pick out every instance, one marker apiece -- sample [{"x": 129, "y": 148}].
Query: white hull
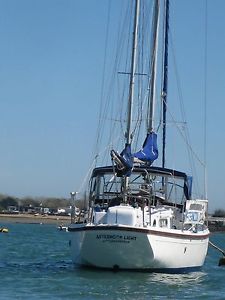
[{"x": 123, "y": 247}]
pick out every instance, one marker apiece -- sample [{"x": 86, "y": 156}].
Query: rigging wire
[
  {"x": 107, "y": 106},
  {"x": 185, "y": 134},
  {"x": 205, "y": 96},
  {"x": 95, "y": 153},
  {"x": 100, "y": 118},
  {"x": 105, "y": 100}
]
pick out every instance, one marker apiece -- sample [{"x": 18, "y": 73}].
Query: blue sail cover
[
  {"x": 149, "y": 151},
  {"x": 127, "y": 157},
  {"x": 124, "y": 160}
]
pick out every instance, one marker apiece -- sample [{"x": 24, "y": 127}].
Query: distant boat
[{"x": 142, "y": 217}]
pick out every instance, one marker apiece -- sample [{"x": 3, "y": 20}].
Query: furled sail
[{"x": 149, "y": 151}]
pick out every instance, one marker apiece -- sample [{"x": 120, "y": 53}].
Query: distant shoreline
[{"x": 32, "y": 219}]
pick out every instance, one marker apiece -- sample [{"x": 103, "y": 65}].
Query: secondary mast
[
  {"x": 128, "y": 134},
  {"x": 153, "y": 68},
  {"x": 132, "y": 73},
  {"x": 165, "y": 77}
]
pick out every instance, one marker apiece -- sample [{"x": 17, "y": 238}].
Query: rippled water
[{"x": 35, "y": 264}]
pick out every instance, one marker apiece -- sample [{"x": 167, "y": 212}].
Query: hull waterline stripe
[{"x": 183, "y": 270}]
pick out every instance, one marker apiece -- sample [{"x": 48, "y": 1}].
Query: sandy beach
[{"x": 32, "y": 219}]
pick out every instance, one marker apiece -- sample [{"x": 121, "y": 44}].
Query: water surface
[{"x": 35, "y": 263}]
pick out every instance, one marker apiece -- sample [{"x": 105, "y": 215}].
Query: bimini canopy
[{"x": 158, "y": 171}]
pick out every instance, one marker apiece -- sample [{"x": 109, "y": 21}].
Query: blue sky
[{"x": 51, "y": 65}]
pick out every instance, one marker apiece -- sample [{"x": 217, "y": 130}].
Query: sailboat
[{"x": 140, "y": 216}]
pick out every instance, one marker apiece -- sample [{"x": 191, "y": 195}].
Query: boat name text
[{"x": 116, "y": 238}]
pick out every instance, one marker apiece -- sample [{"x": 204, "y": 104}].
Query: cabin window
[{"x": 196, "y": 206}]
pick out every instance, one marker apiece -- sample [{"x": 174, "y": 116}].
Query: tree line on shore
[
  {"x": 220, "y": 213},
  {"x": 50, "y": 202},
  {"x": 54, "y": 203}
]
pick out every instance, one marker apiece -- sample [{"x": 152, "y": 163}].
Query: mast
[
  {"x": 128, "y": 135},
  {"x": 152, "y": 85},
  {"x": 132, "y": 73},
  {"x": 165, "y": 77}
]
